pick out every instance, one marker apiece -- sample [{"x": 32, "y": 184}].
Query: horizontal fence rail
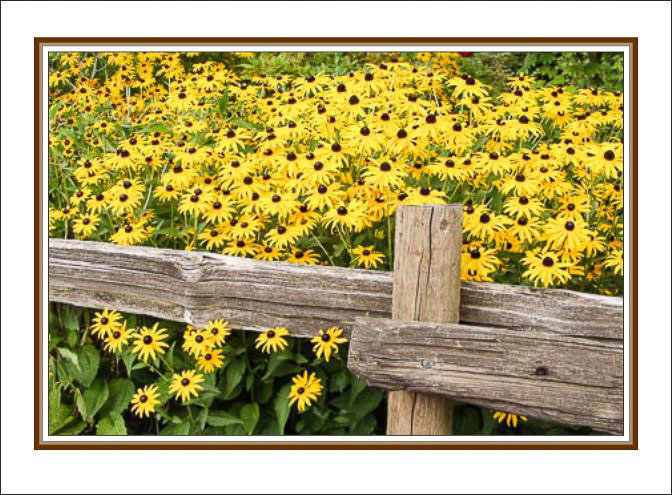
[
  {"x": 195, "y": 287},
  {"x": 548, "y": 376}
]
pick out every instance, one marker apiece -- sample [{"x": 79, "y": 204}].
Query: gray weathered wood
[
  {"x": 196, "y": 287},
  {"x": 543, "y": 375},
  {"x": 426, "y": 287}
]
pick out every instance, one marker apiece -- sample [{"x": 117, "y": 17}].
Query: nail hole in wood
[{"x": 541, "y": 371}]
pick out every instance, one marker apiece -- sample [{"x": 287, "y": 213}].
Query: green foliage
[
  {"x": 578, "y": 69},
  {"x": 493, "y": 68},
  {"x": 90, "y": 390}
]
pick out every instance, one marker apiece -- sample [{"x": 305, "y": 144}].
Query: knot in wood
[{"x": 426, "y": 363}]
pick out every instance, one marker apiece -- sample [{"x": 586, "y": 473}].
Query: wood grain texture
[
  {"x": 426, "y": 288},
  {"x": 543, "y": 375},
  {"x": 196, "y": 286}
]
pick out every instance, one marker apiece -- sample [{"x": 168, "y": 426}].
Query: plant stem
[{"x": 325, "y": 251}]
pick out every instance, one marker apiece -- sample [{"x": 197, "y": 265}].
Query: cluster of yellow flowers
[
  {"x": 205, "y": 346},
  {"x": 311, "y": 169}
]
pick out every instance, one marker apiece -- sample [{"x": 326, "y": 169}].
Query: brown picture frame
[{"x": 339, "y": 443}]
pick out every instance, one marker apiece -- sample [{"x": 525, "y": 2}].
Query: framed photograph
[{"x": 330, "y": 243}]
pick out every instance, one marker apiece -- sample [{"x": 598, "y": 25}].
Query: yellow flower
[
  {"x": 218, "y": 331},
  {"x": 148, "y": 342},
  {"x": 105, "y": 322},
  {"x": 117, "y": 339},
  {"x": 305, "y": 388},
  {"x": 186, "y": 384},
  {"x": 368, "y": 257},
  {"x": 145, "y": 400},
  {"x": 272, "y": 340},
  {"x": 210, "y": 360},
  {"x": 327, "y": 341}
]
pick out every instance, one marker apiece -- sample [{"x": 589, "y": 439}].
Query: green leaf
[
  {"x": 263, "y": 391},
  {"x": 338, "y": 382},
  {"x": 224, "y": 103},
  {"x": 250, "y": 416},
  {"x": 234, "y": 373},
  {"x": 71, "y": 338},
  {"x": 59, "y": 414},
  {"x": 222, "y": 418},
  {"x": 72, "y": 428},
  {"x": 176, "y": 429},
  {"x": 245, "y": 123},
  {"x": 70, "y": 320},
  {"x": 88, "y": 359},
  {"x": 112, "y": 424},
  {"x": 281, "y": 407},
  {"x": 367, "y": 402},
  {"x": 70, "y": 356},
  {"x": 202, "y": 418},
  {"x": 121, "y": 392},
  {"x": 128, "y": 358},
  {"x": 356, "y": 388},
  {"x": 276, "y": 359},
  {"x": 95, "y": 397}
]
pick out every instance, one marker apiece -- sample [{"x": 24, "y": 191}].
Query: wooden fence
[{"x": 547, "y": 353}]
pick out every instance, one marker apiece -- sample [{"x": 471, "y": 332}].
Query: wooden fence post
[{"x": 426, "y": 288}]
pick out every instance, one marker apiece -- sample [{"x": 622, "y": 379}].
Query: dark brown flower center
[{"x": 147, "y": 339}]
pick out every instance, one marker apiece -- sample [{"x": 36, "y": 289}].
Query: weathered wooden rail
[
  {"x": 195, "y": 287},
  {"x": 547, "y": 353}
]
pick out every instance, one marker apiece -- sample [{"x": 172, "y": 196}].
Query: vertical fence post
[{"x": 426, "y": 288}]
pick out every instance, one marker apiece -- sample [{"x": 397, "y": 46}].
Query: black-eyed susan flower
[
  {"x": 545, "y": 267},
  {"x": 86, "y": 224},
  {"x": 305, "y": 389},
  {"x": 367, "y": 256},
  {"x": 327, "y": 342},
  {"x": 210, "y": 360},
  {"x": 218, "y": 331},
  {"x": 145, "y": 400},
  {"x": 116, "y": 339},
  {"x": 272, "y": 339},
  {"x": 186, "y": 384},
  {"x": 148, "y": 342},
  {"x": 105, "y": 322},
  {"x": 197, "y": 341}
]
